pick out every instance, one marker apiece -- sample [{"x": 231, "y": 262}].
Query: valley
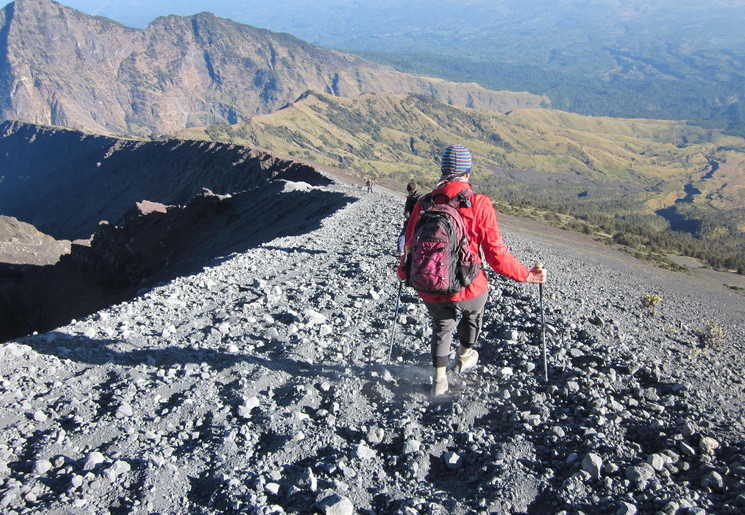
[{"x": 617, "y": 175}]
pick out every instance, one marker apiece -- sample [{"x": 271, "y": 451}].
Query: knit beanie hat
[{"x": 456, "y": 162}]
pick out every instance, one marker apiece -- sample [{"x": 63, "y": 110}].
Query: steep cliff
[{"x": 59, "y": 66}]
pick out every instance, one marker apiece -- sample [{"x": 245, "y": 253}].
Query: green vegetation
[
  {"x": 617, "y": 218},
  {"x": 712, "y": 336},
  {"x": 649, "y": 303},
  {"x": 653, "y": 187}
]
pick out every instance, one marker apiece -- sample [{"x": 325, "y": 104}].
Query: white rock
[
  {"x": 41, "y": 467},
  {"x": 248, "y": 406},
  {"x": 640, "y": 474},
  {"x": 314, "y": 317},
  {"x": 119, "y": 468},
  {"x": 504, "y": 372},
  {"x": 627, "y": 509},
  {"x": 411, "y": 446},
  {"x": 94, "y": 459},
  {"x": 453, "y": 460},
  {"x": 375, "y": 435},
  {"x": 713, "y": 480},
  {"x": 168, "y": 331},
  {"x": 77, "y": 481},
  {"x": 657, "y": 461},
  {"x": 16, "y": 350},
  {"x": 124, "y": 411},
  {"x": 708, "y": 445},
  {"x": 592, "y": 464},
  {"x": 157, "y": 461},
  {"x": 335, "y": 504},
  {"x": 364, "y": 452},
  {"x": 686, "y": 449}
]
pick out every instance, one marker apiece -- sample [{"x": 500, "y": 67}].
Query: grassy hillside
[{"x": 631, "y": 175}]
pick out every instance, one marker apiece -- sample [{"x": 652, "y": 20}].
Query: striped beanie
[{"x": 456, "y": 162}]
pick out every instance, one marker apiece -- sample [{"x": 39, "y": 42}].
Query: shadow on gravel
[
  {"x": 150, "y": 249},
  {"x": 289, "y": 250},
  {"x": 93, "y": 351}
]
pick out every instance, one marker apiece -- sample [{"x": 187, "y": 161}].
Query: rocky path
[{"x": 262, "y": 385}]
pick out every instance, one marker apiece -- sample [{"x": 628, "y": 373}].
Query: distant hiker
[
  {"x": 369, "y": 184},
  {"x": 411, "y": 198},
  {"x": 480, "y": 224}
]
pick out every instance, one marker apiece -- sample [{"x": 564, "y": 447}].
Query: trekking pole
[
  {"x": 539, "y": 266},
  {"x": 395, "y": 318}
]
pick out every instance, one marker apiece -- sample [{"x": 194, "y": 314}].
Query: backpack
[{"x": 440, "y": 260}]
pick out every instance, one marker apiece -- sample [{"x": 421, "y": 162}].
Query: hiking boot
[
  {"x": 467, "y": 359},
  {"x": 439, "y": 387},
  {"x": 439, "y": 382}
]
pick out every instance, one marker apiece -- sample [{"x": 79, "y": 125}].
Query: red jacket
[{"x": 481, "y": 225}]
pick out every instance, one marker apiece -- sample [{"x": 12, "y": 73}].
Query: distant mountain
[
  {"x": 671, "y": 59},
  {"x": 61, "y": 67}
]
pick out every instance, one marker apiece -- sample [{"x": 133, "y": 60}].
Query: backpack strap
[{"x": 462, "y": 199}]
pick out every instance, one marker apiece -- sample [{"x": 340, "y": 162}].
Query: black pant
[{"x": 444, "y": 315}]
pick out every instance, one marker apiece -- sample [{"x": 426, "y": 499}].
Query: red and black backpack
[{"x": 440, "y": 260}]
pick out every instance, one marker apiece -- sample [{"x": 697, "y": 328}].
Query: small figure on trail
[
  {"x": 479, "y": 220},
  {"x": 411, "y": 198},
  {"x": 369, "y": 183}
]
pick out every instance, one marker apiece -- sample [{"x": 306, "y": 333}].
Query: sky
[{"x": 138, "y": 13}]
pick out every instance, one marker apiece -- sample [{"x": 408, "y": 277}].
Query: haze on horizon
[{"x": 367, "y": 24}]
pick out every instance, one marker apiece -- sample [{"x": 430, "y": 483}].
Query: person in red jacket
[{"x": 480, "y": 220}]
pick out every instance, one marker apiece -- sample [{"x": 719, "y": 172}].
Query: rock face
[
  {"x": 261, "y": 384},
  {"x": 59, "y": 66}
]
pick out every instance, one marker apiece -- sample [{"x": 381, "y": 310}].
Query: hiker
[
  {"x": 369, "y": 184},
  {"x": 480, "y": 221},
  {"x": 411, "y": 198}
]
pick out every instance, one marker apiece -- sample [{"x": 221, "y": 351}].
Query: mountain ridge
[
  {"x": 65, "y": 182},
  {"x": 95, "y": 74}
]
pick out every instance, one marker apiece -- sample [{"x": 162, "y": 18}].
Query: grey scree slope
[{"x": 261, "y": 385}]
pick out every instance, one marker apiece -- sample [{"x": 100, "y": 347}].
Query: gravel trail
[{"x": 262, "y": 385}]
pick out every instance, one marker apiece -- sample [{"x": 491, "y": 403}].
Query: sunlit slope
[
  {"x": 403, "y": 136},
  {"x": 673, "y": 161}
]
